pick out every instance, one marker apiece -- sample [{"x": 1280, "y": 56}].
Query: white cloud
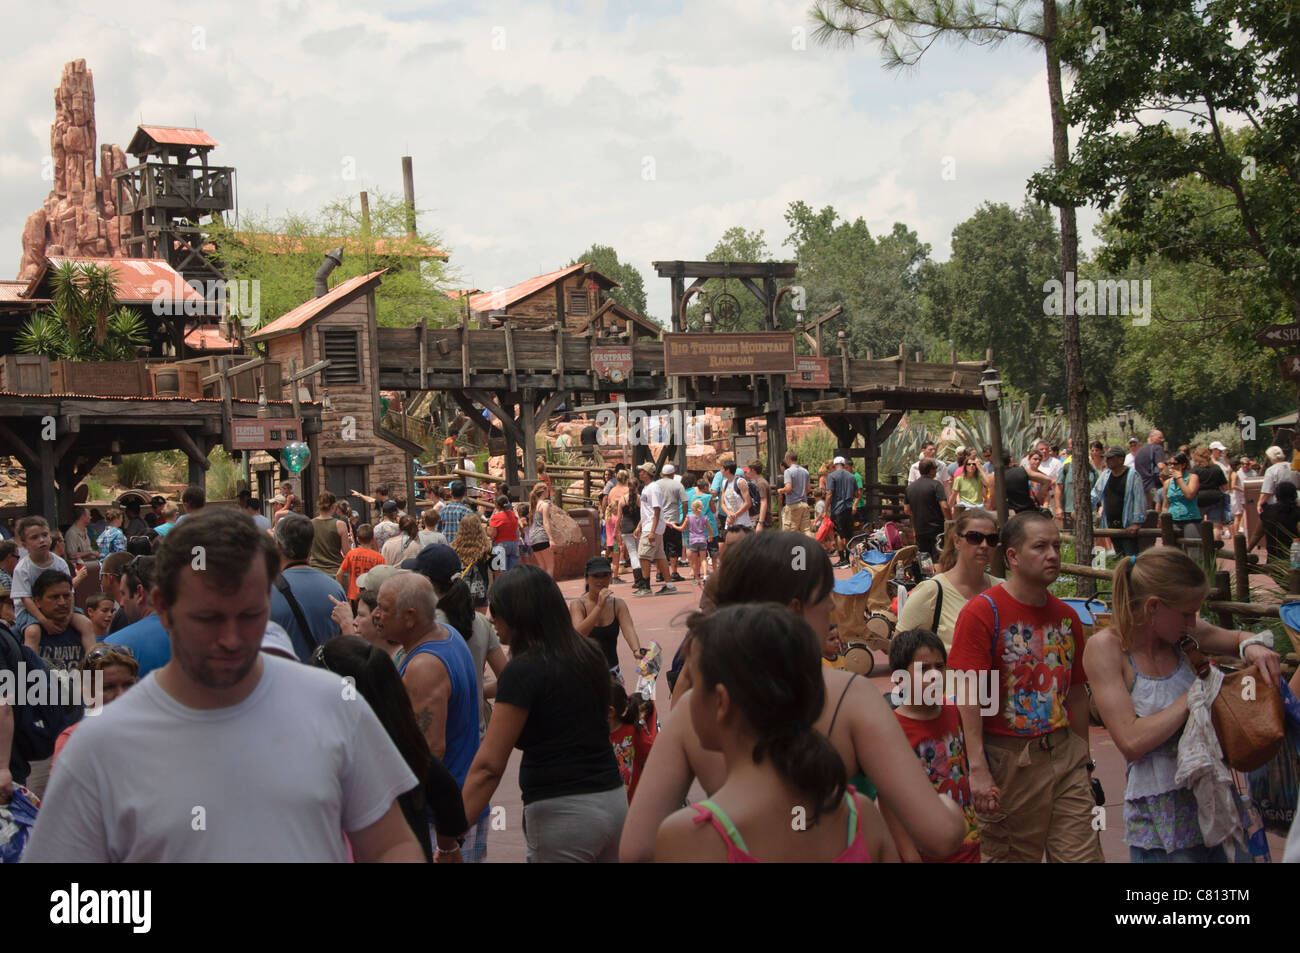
[{"x": 531, "y": 153}]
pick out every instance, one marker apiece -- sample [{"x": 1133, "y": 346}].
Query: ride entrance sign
[{"x": 759, "y": 352}]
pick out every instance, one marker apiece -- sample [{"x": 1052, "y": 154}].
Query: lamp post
[{"x": 992, "y": 386}]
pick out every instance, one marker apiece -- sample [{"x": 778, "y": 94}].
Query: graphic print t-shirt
[
  {"x": 941, "y": 746},
  {"x": 1036, "y": 651}
]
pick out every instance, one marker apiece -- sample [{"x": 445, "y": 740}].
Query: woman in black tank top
[{"x": 600, "y": 616}]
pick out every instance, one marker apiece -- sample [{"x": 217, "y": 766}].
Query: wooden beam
[
  {"x": 423, "y": 331},
  {"x": 512, "y": 427},
  {"x": 295, "y": 376},
  {"x": 26, "y": 454},
  {"x": 237, "y": 369},
  {"x": 725, "y": 269},
  {"x": 196, "y": 456},
  {"x": 510, "y": 357},
  {"x": 548, "y": 407},
  {"x": 763, "y": 299},
  {"x": 61, "y": 447}
]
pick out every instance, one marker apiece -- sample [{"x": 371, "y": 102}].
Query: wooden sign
[
  {"x": 812, "y": 372},
  {"x": 759, "y": 352},
  {"x": 263, "y": 433},
  {"x": 612, "y": 363},
  {"x": 1290, "y": 367},
  {"x": 1279, "y": 335}
]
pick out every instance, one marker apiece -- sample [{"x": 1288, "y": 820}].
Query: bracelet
[
  {"x": 1259, "y": 638},
  {"x": 439, "y": 852}
]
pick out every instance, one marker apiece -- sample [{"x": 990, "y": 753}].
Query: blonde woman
[
  {"x": 539, "y": 531},
  {"x": 1140, "y": 677},
  {"x": 613, "y": 514},
  {"x": 475, "y": 551},
  {"x": 961, "y": 575}
]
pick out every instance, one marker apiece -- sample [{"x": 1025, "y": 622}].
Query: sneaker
[
  {"x": 677, "y": 577},
  {"x": 666, "y": 590},
  {"x": 842, "y": 564},
  {"x": 617, "y": 580},
  {"x": 642, "y": 592}
]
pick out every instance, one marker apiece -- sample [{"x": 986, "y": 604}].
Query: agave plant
[
  {"x": 83, "y": 322},
  {"x": 1019, "y": 431},
  {"x": 900, "y": 450}
]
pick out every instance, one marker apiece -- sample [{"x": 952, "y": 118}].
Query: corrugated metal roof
[
  {"x": 171, "y": 136},
  {"x": 305, "y": 312},
  {"x": 191, "y": 400},
  {"x": 496, "y": 300},
  {"x": 139, "y": 280},
  {"x": 277, "y": 244},
  {"x": 208, "y": 337},
  {"x": 16, "y": 290}
]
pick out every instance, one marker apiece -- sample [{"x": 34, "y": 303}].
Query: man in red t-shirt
[{"x": 1029, "y": 759}]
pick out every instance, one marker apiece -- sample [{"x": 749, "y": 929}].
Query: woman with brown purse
[{"x": 1140, "y": 677}]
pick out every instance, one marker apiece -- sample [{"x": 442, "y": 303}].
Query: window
[
  {"x": 578, "y": 303},
  {"x": 342, "y": 348}
]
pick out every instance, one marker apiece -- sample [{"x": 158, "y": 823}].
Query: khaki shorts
[
  {"x": 795, "y": 518},
  {"x": 648, "y": 550},
  {"x": 1047, "y": 804}
]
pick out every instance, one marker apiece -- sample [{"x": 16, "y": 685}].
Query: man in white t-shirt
[
  {"x": 927, "y": 453},
  {"x": 1279, "y": 469},
  {"x": 650, "y": 531},
  {"x": 1219, "y": 454},
  {"x": 226, "y": 754},
  {"x": 1133, "y": 444}
]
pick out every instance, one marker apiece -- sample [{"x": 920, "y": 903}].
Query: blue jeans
[
  {"x": 1188, "y": 855},
  {"x": 511, "y": 551}
]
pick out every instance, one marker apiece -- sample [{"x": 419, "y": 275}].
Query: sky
[{"x": 540, "y": 128}]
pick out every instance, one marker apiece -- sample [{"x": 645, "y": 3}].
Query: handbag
[
  {"x": 1250, "y": 729},
  {"x": 1274, "y": 787}
]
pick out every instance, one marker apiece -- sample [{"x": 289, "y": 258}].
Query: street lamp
[
  {"x": 990, "y": 382},
  {"x": 708, "y": 320}
]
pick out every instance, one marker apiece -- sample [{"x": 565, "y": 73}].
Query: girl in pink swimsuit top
[
  {"x": 758, "y": 691},
  {"x": 738, "y": 853}
]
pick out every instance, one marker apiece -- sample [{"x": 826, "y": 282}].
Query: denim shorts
[{"x": 1188, "y": 855}]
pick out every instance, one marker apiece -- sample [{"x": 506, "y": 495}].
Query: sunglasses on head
[
  {"x": 104, "y": 650},
  {"x": 318, "y": 657},
  {"x": 975, "y": 538}
]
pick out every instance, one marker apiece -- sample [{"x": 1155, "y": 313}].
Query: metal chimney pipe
[
  {"x": 333, "y": 258},
  {"x": 408, "y": 184}
]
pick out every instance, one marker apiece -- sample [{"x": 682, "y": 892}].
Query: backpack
[
  {"x": 755, "y": 504},
  {"x": 476, "y": 579},
  {"x": 36, "y": 727}
]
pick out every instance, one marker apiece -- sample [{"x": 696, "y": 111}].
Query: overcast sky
[{"x": 540, "y": 128}]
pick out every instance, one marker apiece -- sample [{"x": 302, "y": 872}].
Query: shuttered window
[
  {"x": 578, "y": 303},
  {"x": 342, "y": 348}
]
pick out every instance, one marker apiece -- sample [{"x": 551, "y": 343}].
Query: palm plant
[{"x": 83, "y": 322}]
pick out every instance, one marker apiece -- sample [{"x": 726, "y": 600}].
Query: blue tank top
[
  {"x": 1181, "y": 508},
  {"x": 462, "y": 708}
]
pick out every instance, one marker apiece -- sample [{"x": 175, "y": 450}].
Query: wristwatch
[
  {"x": 1091, "y": 766},
  {"x": 1264, "y": 638}
]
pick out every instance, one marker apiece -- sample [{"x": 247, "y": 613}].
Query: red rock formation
[{"x": 79, "y": 217}]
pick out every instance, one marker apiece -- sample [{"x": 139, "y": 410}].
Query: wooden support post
[
  {"x": 1168, "y": 537},
  {"x": 1206, "y": 553},
  {"x": 64, "y": 468},
  {"x": 510, "y": 357},
  {"x": 528, "y": 423},
  {"x": 902, "y": 364},
  {"x": 558, "y": 371},
  {"x": 192, "y": 450},
  {"x": 198, "y": 463},
  {"x": 871, "y": 474},
  {"x": 422, "y": 332},
  {"x": 999, "y": 481},
  {"x": 227, "y": 412},
  {"x": 1241, "y": 568},
  {"x": 43, "y": 479},
  {"x": 464, "y": 351}
]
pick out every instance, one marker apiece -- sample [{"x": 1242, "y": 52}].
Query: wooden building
[
  {"x": 576, "y": 297},
  {"x": 354, "y": 451}
]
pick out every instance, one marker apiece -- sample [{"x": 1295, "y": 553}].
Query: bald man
[{"x": 438, "y": 671}]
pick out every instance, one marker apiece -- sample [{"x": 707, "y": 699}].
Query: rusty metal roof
[
  {"x": 277, "y": 244},
  {"x": 168, "y": 136},
  {"x": 16, "y": 291},
  {"x": 138, "y": 280},
  {"x": 152, "y": 399},
  {"x": 496, "y": 300},
  {"x": 302, "y": 315}
]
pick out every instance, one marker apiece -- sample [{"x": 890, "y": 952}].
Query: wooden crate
[
  {"x": 25, "y": 374},
  {"x": 100, "y": 378},
  {"x": 189, "y": 376}
]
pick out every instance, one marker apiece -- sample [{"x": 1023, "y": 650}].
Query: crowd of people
[{"x": 455, "y": 646}]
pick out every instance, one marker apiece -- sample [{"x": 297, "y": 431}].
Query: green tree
[
  {"x": 1219, "y": 201},
  {"x": 605, "y": 260},
  {"x": 283, "y": 254},
  {"x": 875, "y": 280},
  {"x": 905, "y": 29}
]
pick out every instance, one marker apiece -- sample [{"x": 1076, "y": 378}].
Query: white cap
[
  {"x": 1215, "y": 445},
  {"x": 839, "y": 460},
  {"x": 276, "y": 641},
  {"x": 669, "y": 469}
]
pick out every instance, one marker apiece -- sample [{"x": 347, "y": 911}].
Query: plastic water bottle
[{"x": 1295, "y": 554}]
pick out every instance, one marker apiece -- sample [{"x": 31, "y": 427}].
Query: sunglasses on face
[{"x": 975, "y": 538}]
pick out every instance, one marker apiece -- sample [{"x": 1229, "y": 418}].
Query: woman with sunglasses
[
  {"x": 968, "y": 486},
  {"x": 120, "y": 671},
  {"x": 962, "y": 574}
]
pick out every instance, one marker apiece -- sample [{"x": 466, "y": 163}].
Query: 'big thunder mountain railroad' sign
[{"x": 759, "y": 352}]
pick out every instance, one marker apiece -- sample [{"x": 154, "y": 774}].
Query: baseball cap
[
  {"x": 157, "y": 501},
  {"x": 1216, "y": 445},
  {"x": 838, "y": 460},
  {"x": 376, "y": 577},
  {"x": 276, "y": 641},
  {"x": 390, "y": 506},
  {"x": 648, "y": 468},
  {"x": 437, "y": 562},
  {"x": 1113, "y": 452},
  {"x": 278, "y": 498},
  {"x": 669, "y": 469},
  {"x": 597, "y": 565},
  {"x": 1134, "y": 440}
]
